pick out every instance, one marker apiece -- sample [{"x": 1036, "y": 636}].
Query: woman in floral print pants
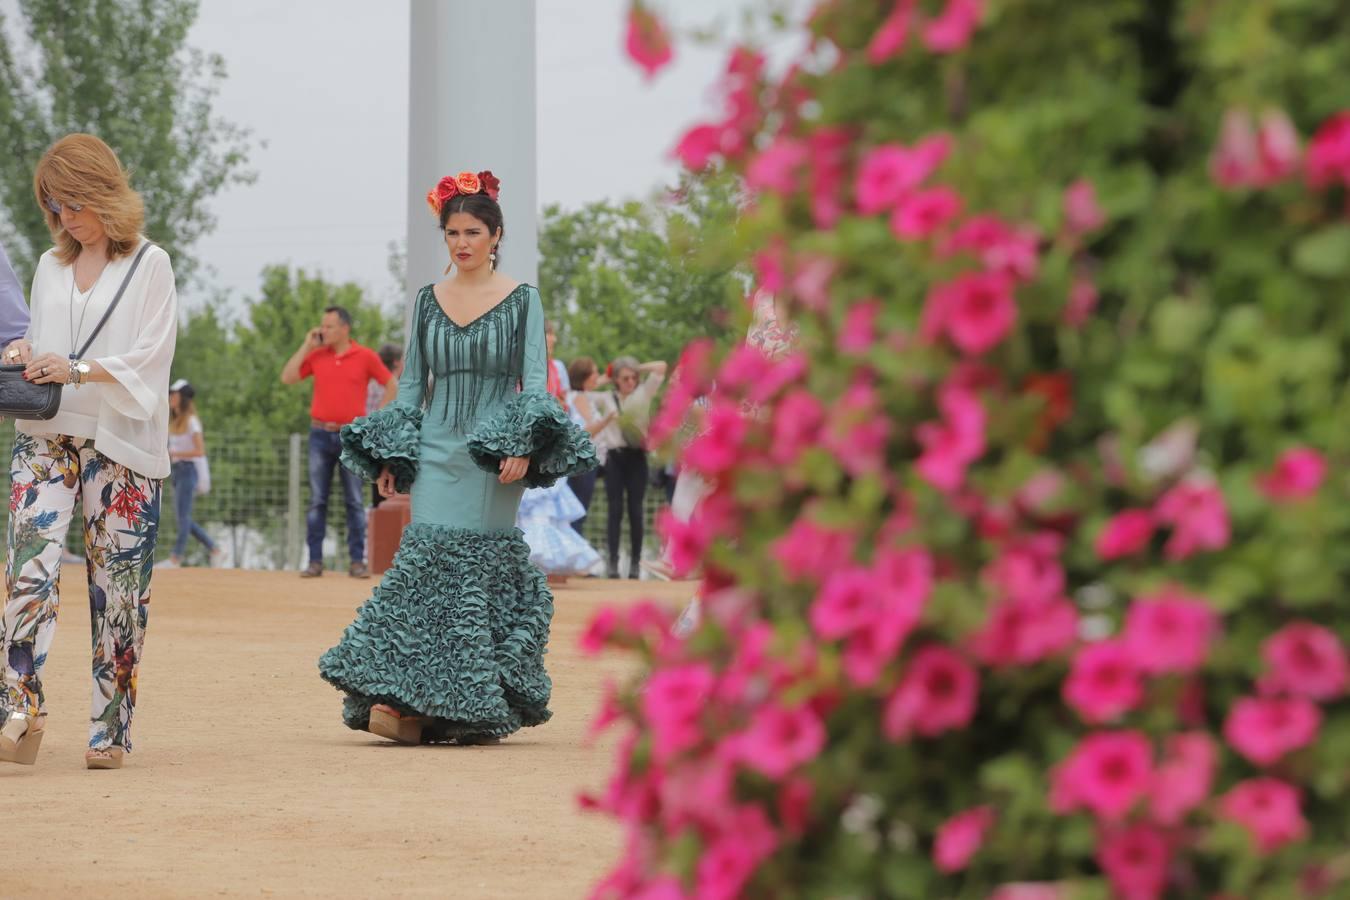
[{"x": 121, "y": 520}]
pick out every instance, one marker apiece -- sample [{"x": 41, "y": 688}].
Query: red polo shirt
[{"x": 340, "y": 381}]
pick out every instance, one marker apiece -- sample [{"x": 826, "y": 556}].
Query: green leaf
[{"x": 1324, "y": 253}]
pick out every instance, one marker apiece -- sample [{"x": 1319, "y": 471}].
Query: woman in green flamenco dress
[{"x": 450, "y": 645}]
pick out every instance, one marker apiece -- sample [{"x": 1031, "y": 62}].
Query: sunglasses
[{"x": 56, "y": 205}]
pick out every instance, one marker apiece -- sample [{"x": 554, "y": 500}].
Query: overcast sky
[{"x": 325, "y": 83}]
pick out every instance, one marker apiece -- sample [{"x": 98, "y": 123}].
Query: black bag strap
[{"x": 113, "y": 305}]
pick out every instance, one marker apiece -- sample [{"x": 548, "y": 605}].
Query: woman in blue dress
[{"x": 450, "y": 645}]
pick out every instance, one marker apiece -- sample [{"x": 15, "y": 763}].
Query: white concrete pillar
[{"x": 472, "y": 107}]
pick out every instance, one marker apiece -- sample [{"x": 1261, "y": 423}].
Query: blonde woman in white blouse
[{"x": 107, "y": 447}]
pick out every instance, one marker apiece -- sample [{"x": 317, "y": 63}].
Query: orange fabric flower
[
  {"x": 434, "y": 202},
  {"x": 445, "y": 189},
  {"x": 468, "y": 183}
]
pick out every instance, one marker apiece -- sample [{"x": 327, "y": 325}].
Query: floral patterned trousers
[{"x": 121, "y": 521}]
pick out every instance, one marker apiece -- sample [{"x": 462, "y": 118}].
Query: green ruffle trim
[
  {"x": 455, "y": 631},
  {"x": 533, "y": 424},
  {"x": 387, "y": 437}
]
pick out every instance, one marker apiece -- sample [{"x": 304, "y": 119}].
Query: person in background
[
  {"x": 342, "y": 369},
  {"x": 392, "y": 357},
  {"x": 187, "y": 451},
  {"x": 13, "y": 309},
  {"x": 581, "y": 409},
  {"x": 558, "y": 381},
  {"x": 624, "y": 440}
]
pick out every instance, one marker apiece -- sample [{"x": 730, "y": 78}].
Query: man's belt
[{"x": 326, "y": 426}]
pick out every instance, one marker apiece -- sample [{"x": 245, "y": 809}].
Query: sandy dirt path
[{"x": 244, "y": 781}]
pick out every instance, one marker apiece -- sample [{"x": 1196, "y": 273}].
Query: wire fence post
[{"x": 293, "y": 505}]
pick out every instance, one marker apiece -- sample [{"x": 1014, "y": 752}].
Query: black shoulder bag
[{"x": 21, "y": 399}]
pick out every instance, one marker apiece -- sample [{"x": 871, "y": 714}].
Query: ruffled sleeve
[
  {"x": 387, "y": 437},
  {"x": 533, "y": 424}
]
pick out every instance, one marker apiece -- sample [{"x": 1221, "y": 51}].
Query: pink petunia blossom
[
  {"x": 686, "y": 541},
  {"x": 1269, "y": 809},
  {"x": 951, "y": 445},
  {"x": 1236, "y": 159},
  {"x": 672, "y": 702},
  {"x": 830, "y": 150},
  {"x": 599, "y": 630},
  {"x": 1028, "y": 567},
  {"x": 1184, "y": 777},
  {"x": 796, "y": 424},
  {"x": 1306, "y": 660},
  {"x": 698, "y": 146},
  {"x": 1264, "y": 729},
  {"x": 1135, "y": 859},
  {"x": 975, "y": 310},
  {"x": 960, "y": 837},
  {"x": 1297, "y": 475},
  {"x": 647, "y": 41},
  {"x": 794, "y": 804},
  {"x": 890, "y": 172},
  {"x": 667, "y": 888},
  {"x": 1103, "y": 682},
  {"x": 1029, "y": 890},
  {"x": 698, "y": 792},
  {"x": 890, "y": 38},
  {"x": 922, "y": 213},
  {"x": 1108, "y": 773},
  {"x": 859, "y": 332},
  {"x": 770, "y": 270},
  {"x": 1170, "y": 631},
  {"x": 779, "y": 167},
  {"x": 937, "y": 693},
  {"x": 1328, "y": 158},
  {"x": 1082, "y": 212},
  {"x": 902, "y": 581},
  {"x": 721, "y": 443},
  {"x": 857, "y": 430},
  {"x": 1025, "y": 631},
  {"x": 1082, "y": 301},
  {"x": 1279, "y": 149},
  {"x": 812, "y": 551},
  {"x": 780, "y": 739},
  {"x": 1199, "y": 518},
  {"x": 951, "y": 31},
  {"x": 728, "y": 862},
  {"x": 1126, "y": 534},
  {"x": 1001, "y": 248},
  {"x": 844, "y": 603}
]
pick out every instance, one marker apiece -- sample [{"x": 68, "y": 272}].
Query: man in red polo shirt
[{"x": 342, "y": 369}]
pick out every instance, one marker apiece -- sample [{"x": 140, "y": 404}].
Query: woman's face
[
  {"x": 550, "y": 340},
  {"x": 589, "y": 383},
  {"x": 469, "y": 241},
  {"x": 175, "y": 401},
  {"x": 84, "y": 226},
  {"x": 626, "y": 380}
]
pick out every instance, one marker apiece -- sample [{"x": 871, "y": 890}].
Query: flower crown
[{"x": 463, "y": 183}]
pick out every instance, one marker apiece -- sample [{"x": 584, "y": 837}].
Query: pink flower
[
  {"x": 598, "y": 632},
  {"x": 1170, "y": 631},
  {"x": 1306, "y": 660},
  {"x": 937, "y": 693},
  {"x": 859, "y": 333},
  {"x": 1029, "y": 890},
  {"x": 1269, "y": 809},
  {"x": 1328, "y": 157},
  {"x": 1278, "y": 147},
  {"x": 667, "y": 888},
  {"x": 780, "y": 739},
  {"x": 1081, "y": 303},
  {"x": 999, "y": 246},
  {"x": 830, "y": 149},
  {"x": 730, "y": 860},
  {"x": 959, "y": 838},
  {"x": 891, "y": 171},
  {"x": 949, "y": 446},
  {"x": 922, "y": 213},
  {"x": 779, "y": 167},
  {"x": 890, "y": 37},
  {"x": 721, "y": 445},
  {"x": 1297, "y": 475},
  {"x": 844, "y": 604},
  {"x": 1135, "y": 859},
  {"x": 1126, "y": 534},
  {"x": 686, "y": 542},
  {"x": 1108, "y": 772},
  {"x": 672, "y": 702},
  {"x": 976, "y": 311},
  {"x": 951, "y": 31},
  {"x": 647, "y": 43},
  {"x": 794, "y": 805},
  {"x": 902, "y": 581},
  {"x": 1022, "y": 631},
  {"x": 700, "y": 144},
  {"x": 809, "y": 550},
  {"x": 1082, "y": 212},
  {"x": 1184, "y": 778},
  {"x": 1264, "y": 729},
  {"x": 1103, "y": 682},
  {"x": 1198, "y": 516},
  {"x": 1236, "y": 160},
  {"x": 796, "y": 425},
  {"x": 1029, "y": 568}
]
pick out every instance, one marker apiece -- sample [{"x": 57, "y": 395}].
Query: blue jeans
[
  {"x": 184, "y": 475},
  {"x": 324, "y": 449}
]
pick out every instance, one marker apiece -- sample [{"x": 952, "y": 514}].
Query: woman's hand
[
  {"x": 513, "y": 468},
  {"x": 385, "y": 483},
  {"x": 18, "y": 353},
  {"x": 48, "y": 368}
]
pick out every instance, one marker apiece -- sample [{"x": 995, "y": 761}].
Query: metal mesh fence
[{"x": 255, "y": 510}]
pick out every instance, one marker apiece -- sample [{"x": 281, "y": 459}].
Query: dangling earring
[{"x": 493, "y": 257}]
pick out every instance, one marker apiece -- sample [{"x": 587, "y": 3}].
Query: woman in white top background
[
  {"x": 187, "y": 454},
  {"x": 584, "y": 377},
  {"x": 107, "y": 447},
  {"x": 624, "y": 441}
]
